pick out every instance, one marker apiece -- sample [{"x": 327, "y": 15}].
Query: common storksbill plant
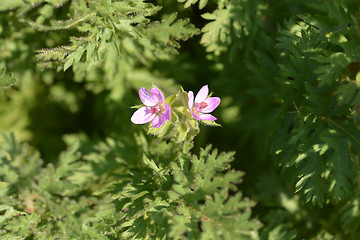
[
  {"x": 288, "y": 73},
  {"x": 158, "y": 111}
]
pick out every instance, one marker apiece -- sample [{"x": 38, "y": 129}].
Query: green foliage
[
  {"x": 41, "y": 202},
  {"x": 6, "y": 80},
  {"x": 183, "y": 198},
  {"x": 314, "y": 135},
  {"x": 115, "y": 26},
  {"x": 229, "y": 24},
  {"x": 203, "y": 199},
  {"x": 150, "y": 199},
  {"x": 188, "y": 3}
]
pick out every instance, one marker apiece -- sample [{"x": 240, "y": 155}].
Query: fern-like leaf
[
  {"x": 6, "y": 80},
  {"x": 197, "y": 180}
]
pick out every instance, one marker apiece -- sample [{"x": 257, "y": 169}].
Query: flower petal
[
  {"x": 158, "y": 121},
  {"x": 142, "y": 115},
  {"x": 202, "y": 94},
  {"x": 155, "y": 92},
  {"x": 146, "y": 98},
  {"x": 194, "y": 115},
  {"x": 191, "y": 99},
  {"x": 212, "y": 103},
  {"x": 167, "y": 112},
  {"x": 207, "y": 117}
]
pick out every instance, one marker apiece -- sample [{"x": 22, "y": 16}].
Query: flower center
[
  {"x": 198, "y": 107},
  {"x": 203, "y": 105},
  {"x": 157, "y": 109}
]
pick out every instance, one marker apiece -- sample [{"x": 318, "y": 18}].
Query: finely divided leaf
[{"x": 6, "y": 80}]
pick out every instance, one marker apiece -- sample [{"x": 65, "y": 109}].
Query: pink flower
[
  {"x": 155, "y": 109},
  {"x": 203, "y": 104}
]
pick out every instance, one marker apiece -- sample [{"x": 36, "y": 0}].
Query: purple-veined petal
[
  {"x": 167, "y": 112},
  {"x": 146, "y": 98},
  {"x": 142, "y": 115},
  {"x": 191, "y": 99},
  {"x": 212, "y": 103},
  {"x": 207, "y": 117},
  {"x": 157, "y": 94},
  {"x": 194, "y": 115},
  {"x": 158, "y": 121},
  {"x": 202, "y": 94}
]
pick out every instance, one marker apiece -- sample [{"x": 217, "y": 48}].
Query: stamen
[
  {"x": 156, "y": 109},
  {"x": 203, "y": 105},
  {"x": 153, "y": 110}
]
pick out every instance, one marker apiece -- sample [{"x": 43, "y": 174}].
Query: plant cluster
[{"x": 286, "y": 82}]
